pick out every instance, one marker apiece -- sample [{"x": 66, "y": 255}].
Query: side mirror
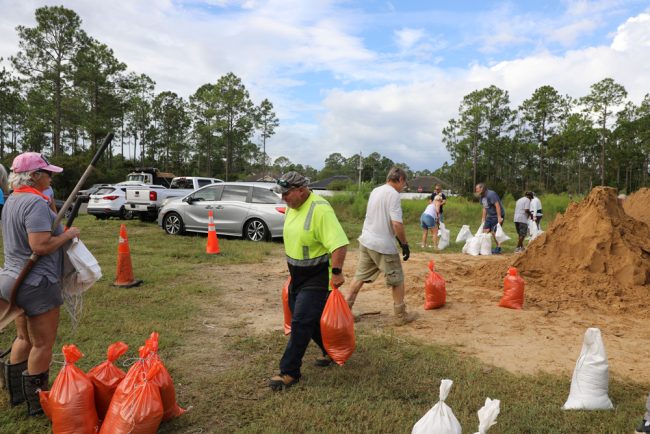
[{"x": 189, "y": 199}]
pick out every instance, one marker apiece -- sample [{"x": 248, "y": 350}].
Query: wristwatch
[{"x": 336, "y": 270}]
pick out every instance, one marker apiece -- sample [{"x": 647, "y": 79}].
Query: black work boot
[
  {"x": 31, "y": 385},
  {"x": 12, "y": 375}
]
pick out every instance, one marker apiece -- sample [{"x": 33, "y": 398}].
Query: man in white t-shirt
[
  {"x": 377, "y": 250},
  {"x": 522, "y": 215},
  {"x": 536, "y": 210}
]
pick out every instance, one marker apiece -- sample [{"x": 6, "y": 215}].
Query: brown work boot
[
  {"x": 282, "y": 381},
  {"x": 403, "y": 317}
]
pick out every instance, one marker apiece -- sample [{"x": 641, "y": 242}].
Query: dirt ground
[{"x": 545, "y": 336}]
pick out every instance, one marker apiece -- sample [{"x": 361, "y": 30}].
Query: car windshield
[{"x": 104, "y": 190}]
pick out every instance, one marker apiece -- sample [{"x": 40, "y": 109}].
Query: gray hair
[
  {"x": 3, "y": 179},
  {"x": 21, "y": 179},
  {"x": 395, "y": 174}
]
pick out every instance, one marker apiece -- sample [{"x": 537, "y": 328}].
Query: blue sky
[{"x": 369, "y": 76}]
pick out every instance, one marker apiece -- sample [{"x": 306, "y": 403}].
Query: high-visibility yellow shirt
[{"x": 311, "y": 233}]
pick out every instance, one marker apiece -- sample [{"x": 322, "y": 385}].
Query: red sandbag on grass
[
  {"x": 435, "y": 291},
  {"x": 128, "y": 383},
  {"x": 106, "y": 377},
  {"x": 164, "y": 381},
  {"x": 513, "y": 290},
  {"x": 71, "y": 401},
  {"x": 285, "y": 306},
  {"x": 141, "y": 410},
  {"x": 337, "y": 328}
]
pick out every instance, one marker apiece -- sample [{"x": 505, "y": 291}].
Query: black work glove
[{"x": 406, "y": 252}]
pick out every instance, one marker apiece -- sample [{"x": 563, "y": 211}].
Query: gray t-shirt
[
  {"x": 23, "y": 214},
  {"x": 489, "y": 200},
  {"x": 521, "y": 206}
]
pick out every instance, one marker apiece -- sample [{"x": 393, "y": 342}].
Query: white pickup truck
[{"x": 145, "y": 202}]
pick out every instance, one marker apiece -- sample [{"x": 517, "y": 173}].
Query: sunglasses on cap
[{"x": 285, "y": 184}]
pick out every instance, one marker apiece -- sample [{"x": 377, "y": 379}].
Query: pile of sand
[
  {"x": 638, "y": 204},
  {"x": 593, "y": 256}
]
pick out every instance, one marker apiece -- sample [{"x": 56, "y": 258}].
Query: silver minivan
[{"x": 243, "y": 209}]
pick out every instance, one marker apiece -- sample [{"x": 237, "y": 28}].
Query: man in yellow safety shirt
[{"x": 313, "y": 240}]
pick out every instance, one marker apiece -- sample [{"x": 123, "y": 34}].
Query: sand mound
[
  {"x": 595, "y": 255},
  {"x": 638, "y": 204}
]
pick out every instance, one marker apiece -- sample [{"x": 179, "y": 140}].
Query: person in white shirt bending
[{"x": 430, "y": 220}]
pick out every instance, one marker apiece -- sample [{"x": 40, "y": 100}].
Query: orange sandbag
[
  {"x": 141, "y": 411},
  {"x": 435, "y": 292},
  {"x": 285, "y": 306},
  {"x": 513, "y": 290},
  {"x": 164, "y": 381},
  {"x": 71, "y": 401},
  {"x": 337, "y": 328},
  {"x": 128, "y": 383},
  {"x": 106, "y": 377}
]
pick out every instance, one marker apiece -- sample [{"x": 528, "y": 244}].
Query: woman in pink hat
[{"x": 27, "y": 227}]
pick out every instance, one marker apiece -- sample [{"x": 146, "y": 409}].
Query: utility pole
[{"x": 360, "y": 167}]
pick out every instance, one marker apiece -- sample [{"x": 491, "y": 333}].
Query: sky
[{"x": 366, "y": 76}]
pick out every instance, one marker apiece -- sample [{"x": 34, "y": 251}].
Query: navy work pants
[{"x": 306, "y": 309}]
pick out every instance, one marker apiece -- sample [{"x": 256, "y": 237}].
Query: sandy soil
[{"x": 544, "y": 336}]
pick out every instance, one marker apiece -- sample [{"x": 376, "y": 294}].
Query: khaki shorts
[{"x": 371, "y": 263}]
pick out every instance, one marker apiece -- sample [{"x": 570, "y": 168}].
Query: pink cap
[{"x": 28, "y": 161}]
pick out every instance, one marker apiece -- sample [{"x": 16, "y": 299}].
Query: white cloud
[{"x": 406, "y": 38}]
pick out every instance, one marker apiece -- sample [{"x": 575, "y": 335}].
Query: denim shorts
[
  {"x": 34, "y": 300},
  {"x": 427, "y": 221},
  {"x": 491, "y": 223}
]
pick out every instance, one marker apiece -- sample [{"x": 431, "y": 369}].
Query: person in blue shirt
[
  {"x": 4, "y": 187},
  {"x": 493, "y": 212}
]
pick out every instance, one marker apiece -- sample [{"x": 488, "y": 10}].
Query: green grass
[{"x": 388, "y": 384}]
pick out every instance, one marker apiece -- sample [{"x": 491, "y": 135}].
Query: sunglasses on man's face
[{"x": 47, "y": 172}]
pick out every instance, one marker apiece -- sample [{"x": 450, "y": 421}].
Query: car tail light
[
  {"x": 113, "y": 197},
  {"x": 153, "y": 195},
  {"x": 280, "y": 209}
]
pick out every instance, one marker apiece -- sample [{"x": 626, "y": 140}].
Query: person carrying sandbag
[
  {"x": 493, "y": 212},
  {"x": 313, "y": 240}
]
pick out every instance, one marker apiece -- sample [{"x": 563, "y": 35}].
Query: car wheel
[
  {"x": 255, "y": 230},
  {"x": 173, "y": 224},
  {"x": 125, "y": 214}
]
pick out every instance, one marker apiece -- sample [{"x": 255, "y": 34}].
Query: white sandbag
[
  {"x": 487, "y": 415},
  {"x": 590, "y": 382},
  {"x": 486, "y": 244},
  {"x": 500, "y": 235},
  {"x": 445, "y": 235},
  {"x": 473, "y": 246},
  {"x": 464, "y": 234},
  {"x": 81, "y": 269},
  {"x": 440, "y": 419}
]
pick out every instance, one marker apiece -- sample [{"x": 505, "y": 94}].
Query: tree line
[
  {"x": 551, "y": 142},
  {"x": 66, "y": 90}
]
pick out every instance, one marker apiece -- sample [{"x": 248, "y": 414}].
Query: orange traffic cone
[
  {"x": 124, "y": 276},
  {"x": 212, "y": 248}
]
